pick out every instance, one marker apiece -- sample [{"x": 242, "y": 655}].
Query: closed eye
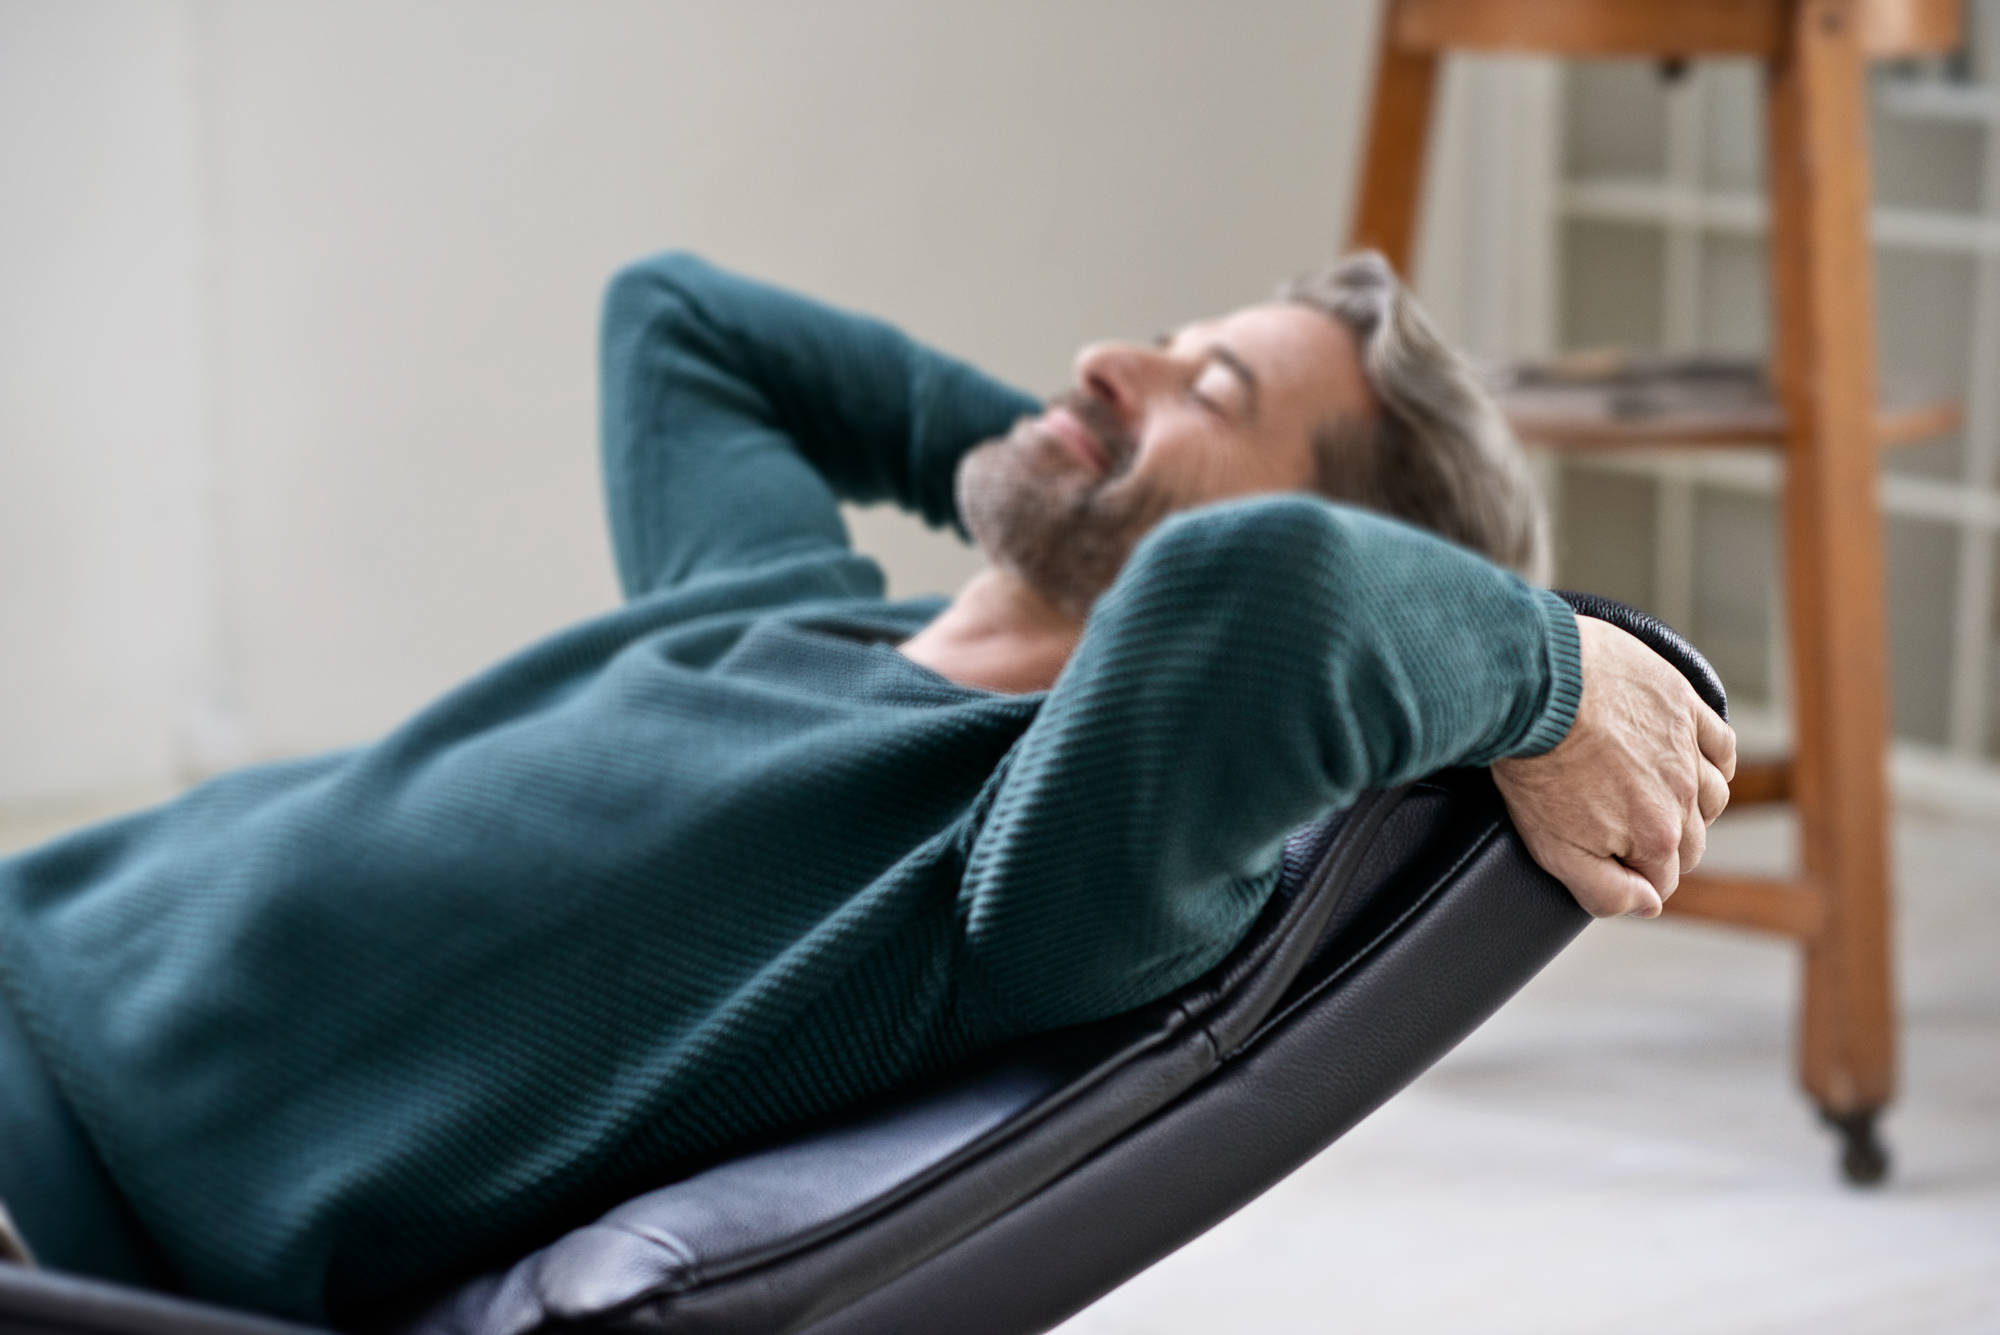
[
  {"x": 1235, "y": 398},
  {"x": 1244, "y": 379},
  {"x": 1219, "y": 389}
]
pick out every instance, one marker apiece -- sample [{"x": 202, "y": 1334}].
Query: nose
[{"x": 1121, "y": 375}]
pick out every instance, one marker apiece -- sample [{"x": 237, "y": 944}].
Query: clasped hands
[{"x": 1620, "y": 808}]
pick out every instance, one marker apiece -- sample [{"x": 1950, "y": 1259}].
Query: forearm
[
  {"x": 879, "y": 416},
  {"x": 1258, "y": 664}
]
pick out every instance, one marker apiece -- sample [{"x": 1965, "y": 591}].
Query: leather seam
[{"x": 1375, "y": 943}]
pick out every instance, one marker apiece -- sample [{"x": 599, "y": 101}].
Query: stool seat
[{"x": 1658, "y": 28}]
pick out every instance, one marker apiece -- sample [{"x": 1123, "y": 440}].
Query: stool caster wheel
[{"x": 1864, "y": 1161}]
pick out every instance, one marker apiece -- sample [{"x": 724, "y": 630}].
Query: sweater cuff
[{"x": 1565, "y": 664}]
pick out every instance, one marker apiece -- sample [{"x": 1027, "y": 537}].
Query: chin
[{"x": 1040, "y": 516}]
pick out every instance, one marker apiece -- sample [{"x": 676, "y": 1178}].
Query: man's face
[{"x": 1220, "y": 408}]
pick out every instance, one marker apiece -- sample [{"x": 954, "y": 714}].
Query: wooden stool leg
[
  {"x": 1392, "y": 173},
  {"x": 1816, "y": 103}
]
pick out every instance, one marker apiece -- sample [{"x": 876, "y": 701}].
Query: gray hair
[{"x": 1437, "y": 452}]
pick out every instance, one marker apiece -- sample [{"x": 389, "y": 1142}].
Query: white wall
[
  {"x": 100, "y": 394},
  {"x": 344, "y": 258}
]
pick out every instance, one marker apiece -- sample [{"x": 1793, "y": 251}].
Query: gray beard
[{"x": 1037, "y": 514}]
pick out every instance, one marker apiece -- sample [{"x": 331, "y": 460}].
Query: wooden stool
[{"x": 1815, "y": 55}]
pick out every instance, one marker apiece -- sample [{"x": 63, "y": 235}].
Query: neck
[{"x": 998, "y": 634}]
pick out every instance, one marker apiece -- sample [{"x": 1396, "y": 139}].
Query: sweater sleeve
[
  {"x": 1258, "y": 663},
  {"x": 736, "y": 416}
]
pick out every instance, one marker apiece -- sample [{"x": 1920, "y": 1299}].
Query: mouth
[{"x": 1079, "y": 439}]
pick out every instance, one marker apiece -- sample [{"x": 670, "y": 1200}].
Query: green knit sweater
[{"x": 722, "y": 860}]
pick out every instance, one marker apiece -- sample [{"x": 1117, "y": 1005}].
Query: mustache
[{"x": 1102, "y": 421}]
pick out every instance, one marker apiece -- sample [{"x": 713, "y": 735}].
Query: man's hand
[{"x": 1621, "y": 807}]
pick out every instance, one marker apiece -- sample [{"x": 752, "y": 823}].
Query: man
[{"x": 320, "y": 1035}]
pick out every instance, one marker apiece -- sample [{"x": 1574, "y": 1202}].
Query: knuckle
[
  {"x": 1656, "y": 835},
  {"x": 1718, "y": 801}
]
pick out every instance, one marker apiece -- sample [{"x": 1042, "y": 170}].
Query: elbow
[{"x": 640, "y": 290}]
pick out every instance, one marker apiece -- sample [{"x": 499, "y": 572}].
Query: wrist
[{"x": 1563, "y": 686}]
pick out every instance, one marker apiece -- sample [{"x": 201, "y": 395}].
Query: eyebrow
[{"x": 1221, "y": 352}]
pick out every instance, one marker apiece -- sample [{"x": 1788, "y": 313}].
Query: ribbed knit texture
[{"x": 722, "y": 860}]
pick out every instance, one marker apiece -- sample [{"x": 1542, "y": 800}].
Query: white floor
[{"x": 1623, "y": 1149}]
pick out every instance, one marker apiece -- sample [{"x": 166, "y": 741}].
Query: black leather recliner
[{"x": 1005, "y": 1200}]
